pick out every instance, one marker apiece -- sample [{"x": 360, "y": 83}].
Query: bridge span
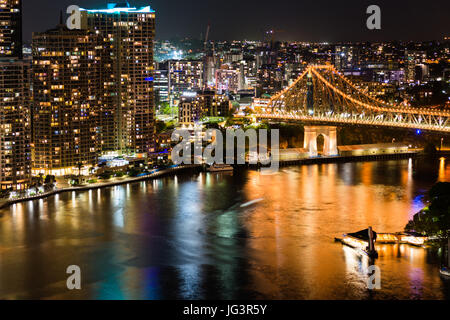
[{"x": 323, "y": 95}]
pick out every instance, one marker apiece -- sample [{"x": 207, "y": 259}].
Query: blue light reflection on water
[{"x": 189, "y": 237}]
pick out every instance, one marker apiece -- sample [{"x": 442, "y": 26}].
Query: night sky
[{"x": 303, "y": 20}]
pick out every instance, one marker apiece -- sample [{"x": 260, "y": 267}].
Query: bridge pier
[{"x": 330, "y": 140}]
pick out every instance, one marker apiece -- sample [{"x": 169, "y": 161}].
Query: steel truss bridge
[{"x": 322, "y": 94}]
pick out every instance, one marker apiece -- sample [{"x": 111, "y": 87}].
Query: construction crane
[
  {"x": 207, "y": 36},
  {"x": 206, "y": 58}
]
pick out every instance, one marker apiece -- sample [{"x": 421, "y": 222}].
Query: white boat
[
  {"x": 220, "y": 168},
  {"x": 445, "y": 272}
]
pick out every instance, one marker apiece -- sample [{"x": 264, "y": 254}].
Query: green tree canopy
[{"x": 434, "y": 220}]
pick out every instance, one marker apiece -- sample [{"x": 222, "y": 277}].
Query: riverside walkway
[{"x": 161, "y": 173}]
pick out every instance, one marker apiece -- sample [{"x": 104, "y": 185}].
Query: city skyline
[
  {"x": 295, "y": 21},
  {"x": 132, "y": 168}
]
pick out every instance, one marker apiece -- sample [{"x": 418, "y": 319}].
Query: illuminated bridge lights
[{"x": 350, "y": 103}]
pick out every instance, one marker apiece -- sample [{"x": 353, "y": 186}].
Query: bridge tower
[
  {"x": 330, "y": 140},
  {"x": 310, "y": 94}
]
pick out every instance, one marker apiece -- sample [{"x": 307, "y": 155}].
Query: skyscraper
[
  {"x": 72, "y": 100},
  {"x": 15, "y": 150},
  {"x": 184, "y": 76},
  {"x": 346, "y": 57},
  {"x": 15, "y": 131},
  {"x": 130, "y": 32},
  {"x": 11, "y": 28},
  {"x": 227, "y": 80}
]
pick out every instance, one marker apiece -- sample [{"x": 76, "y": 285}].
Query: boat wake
[{"x": 248, "y": 204}]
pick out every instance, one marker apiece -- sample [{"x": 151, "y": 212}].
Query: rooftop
[{"x": 120, "y": 8}]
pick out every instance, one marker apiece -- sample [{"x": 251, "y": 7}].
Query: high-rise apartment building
[
  {"x": 195, "y": 106},
  {"x": 227, "y": 80},
  {"x": 11, "y": 28},
  {"x": 130, "y": 32},
  {"x": 412, "y": 59},
  {"x": 161, "y": 84},
  {"x": 73, "y": 117},
  {"x": 213, "y": 104},
  {"x": 270, "y": 80},
  {"x": 184, "y": 76},
  {"x": 15, "y": 132},
  {"x": 346, "y": 57}
]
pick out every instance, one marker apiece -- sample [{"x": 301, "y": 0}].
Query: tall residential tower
[
  {"x": 11, "y": 28},
  {"x": 15, "y": 130},
  {"x": 131, "y": 32},
  {"x": 72, "y": 101},
  {"x": 15, "y": 133}
]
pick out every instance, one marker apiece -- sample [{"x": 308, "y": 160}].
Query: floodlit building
[{"x": 372, "y": 149}]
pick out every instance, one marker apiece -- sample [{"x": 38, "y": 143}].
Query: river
[{"x": 239, "y": 235}]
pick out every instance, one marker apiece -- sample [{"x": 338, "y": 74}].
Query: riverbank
[
  {"x": 340, "y": 159},
  {"x": 159, "y": 174},
  {"x": 165, "y": 172}
]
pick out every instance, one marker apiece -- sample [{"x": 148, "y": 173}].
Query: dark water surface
[{"x": 196, "y": 237}]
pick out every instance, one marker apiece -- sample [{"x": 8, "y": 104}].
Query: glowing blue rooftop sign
[{"x": 113, "y": 8}]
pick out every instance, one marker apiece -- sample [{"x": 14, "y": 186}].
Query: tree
[
  {"x": 49, "y": 179},
  {"x": 434, "y": 220},
  {"x": 160, "y": 126},
  {"x": 134, "y": 172},
  {"x": 105, "y": 175},
  {"x": 79, "y": 166},
  {"x": 41, "y": 179}
]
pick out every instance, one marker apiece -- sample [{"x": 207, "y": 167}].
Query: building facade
[
  {"x": 161, "y": 84},
  {"x": 189, "y": 110},
  {"x": 227, "y": 80},
  {"x": 69, "y": 100},
  {"x": 346, "y": 57},
  {"x": 15, "y": 126},
  {"x": 195, "y": 106},
  {"x": 184, "y": 76},
  {"x": 11, "y": 28},
  {"x": 15, "y": 130},
  {"x": 130, "y": 32}
]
